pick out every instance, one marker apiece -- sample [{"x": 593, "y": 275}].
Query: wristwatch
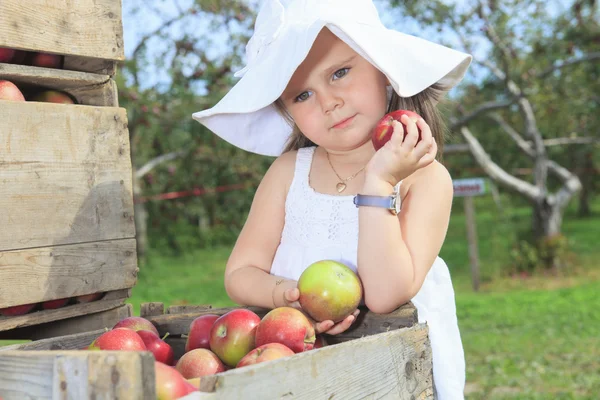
[{"x": 393, "y": 203}]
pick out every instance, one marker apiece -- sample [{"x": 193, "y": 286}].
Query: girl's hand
[
  {"x": 291, "y": 297},
  {"x": 400, "y": 156}
]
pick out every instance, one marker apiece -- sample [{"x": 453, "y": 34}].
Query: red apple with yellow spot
[
  {"x": 199, "y": 362},
  {"x": 119, "y": 339},
  {"x": 232, "y": 335},
  {"x": 384, "y": 129},
  {"x": 266, "y": 352},
  {"x": 199, "y": 333},
  {"x": 288, "y": 326}
]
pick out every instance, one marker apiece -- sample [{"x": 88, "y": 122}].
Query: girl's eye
[
  {"x": 302, "y": 96},
  {"x": 340, "y": 73}
]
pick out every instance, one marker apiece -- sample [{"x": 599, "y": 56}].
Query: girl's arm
[
  {"x": 247, "y": 274},
  {"x": 395, "y": 253}
]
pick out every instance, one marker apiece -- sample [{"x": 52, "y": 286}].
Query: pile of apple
[
  {"x": 37, "y": 59},
  {"x": 239, "y": 338},
  {"x": 49, "y": 304}
]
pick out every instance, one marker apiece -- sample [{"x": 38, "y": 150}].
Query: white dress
[{"x": 320, "y": 226}]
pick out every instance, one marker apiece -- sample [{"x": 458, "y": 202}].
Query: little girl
[{"x": 320, "y": 75}]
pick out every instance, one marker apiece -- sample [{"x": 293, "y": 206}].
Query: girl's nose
[{"x": 330, "y": 101}]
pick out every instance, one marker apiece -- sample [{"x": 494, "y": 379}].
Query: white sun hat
[{"x": 283, "y": 36}]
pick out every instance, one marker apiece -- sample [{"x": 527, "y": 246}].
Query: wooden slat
[
  {"x": 76, "y": 341},
  {"x": 86, "y": 88},
  {"x": 115, "y": 300},
  {"x": 394, "y": 365},
  {"x": 89, "y": 28},
  {"x": 77, "y": 375},
  {"x": 85, "y": 323},
  {"x": 368, "y": 323},
  {"x": 65, "y": 174},
  {"x": 35, "y": 275},
  {"x": 87, "y": 64},
  {"x": 151, "y": 309}
]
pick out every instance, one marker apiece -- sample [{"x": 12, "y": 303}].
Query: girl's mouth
[{"x": 345, "y": 123}]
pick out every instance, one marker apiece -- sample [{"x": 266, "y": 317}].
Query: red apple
[
  {"x": 46, "y": 60},
  {"x": 17, "y": 310},
  {"x": 10, "y": 91},
  {"x": 384, "y": 129},
  {"x": 199, "y": 362},
  {"x": 119, "y": 339},
  {"x": 170, "y": 385},
  {"x": 54, "y": 304},
  {"x": 163, "y": 352},
  {"x": 6, "y": 55},
  {"x": 87, "y": 298},
  {"x": 52, "y": 96},
  {"x": 232, "y": 335},
  {"x": 288, "y": 326},
  {"x": 320, "y": 342},
  {"x": 136, "y": 323},
  {"x": 329, "y": 290},
  {"x": 266, "y": 352},
  {"x": 199, "y": 334}
]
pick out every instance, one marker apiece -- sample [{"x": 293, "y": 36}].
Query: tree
[
  {"x": 183, "y": 64},
  {"x": 518, "y": 63}
]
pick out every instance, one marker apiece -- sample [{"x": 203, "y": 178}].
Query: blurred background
[{"x": 522, "y": 250}]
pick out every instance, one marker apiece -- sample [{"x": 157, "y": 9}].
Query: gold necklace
[{"x": 341, "y": 185}]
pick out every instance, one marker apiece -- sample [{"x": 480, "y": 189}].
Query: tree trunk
[
  {"x": 547, "y": 219},
  {"x": 141, "y": 221}
]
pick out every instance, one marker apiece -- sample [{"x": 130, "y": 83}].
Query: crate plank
[
  {"x": 368, "y": 323},
  {"x": 75, "y": 341},
  {"x": 35, "y": 275},
  {"x": 65, "y": 174},
  {"x": 86, "y": 28},
  {"x": 84, "y": 323},
  {"x": 86, "y": 88},
  {"x": 394, "y": 365},
  {"x": 77, "y": 375},
  {"x": 115, "y": 300}
]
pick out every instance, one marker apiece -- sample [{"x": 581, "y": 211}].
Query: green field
[{"x": 524, "y": 338}]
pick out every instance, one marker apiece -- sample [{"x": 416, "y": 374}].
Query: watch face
[{"x": 398, "y": 204}]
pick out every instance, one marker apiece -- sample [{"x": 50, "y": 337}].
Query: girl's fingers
[
  {"x": 292, "y": 294},
  {"x": 427, "y": 140},
  {"x": 412, "y": 135},
  {"x": 323, "y": 326},
  {"x": 341, "y": 326}
]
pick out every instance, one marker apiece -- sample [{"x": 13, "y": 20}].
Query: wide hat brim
[{"x": 246, "y": 116}]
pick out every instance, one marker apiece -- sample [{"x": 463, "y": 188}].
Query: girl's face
[{"x": 335, "y": 96}]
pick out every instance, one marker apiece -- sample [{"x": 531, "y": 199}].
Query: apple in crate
[
  {"x": 137, "y": 324},
  {"x": 52, "y": 96},
  {"x": 266, "y": 352},
  {"x": 288, "y": 326},
  {"x": 384, "y": 129},
  {"x": 320, "y": 342},
  {"x": 10, "y": 91},
  {"x": 87, "y": 298},
  {"x": 17, "y": 310},
  {"x": 232, "y": 335},
  {"x": 54, "y": 304},
  {"x": 199, "y": 362},
  {"x": 46, "y": 60},
  {"x": 163, "y": 352},
  {"x": 199, "y": 333},
  {"x": 6, "y": 55},
  {"x": 119, "y": 339},
  {"x": 170, "y": 384},
  {"x": 329, "y": 290}
]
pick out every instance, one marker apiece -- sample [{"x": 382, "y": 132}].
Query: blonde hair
[{"x": 423, "y": 103}]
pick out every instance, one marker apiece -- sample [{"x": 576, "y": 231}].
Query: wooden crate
[
  {"x": 89, "y": 33},
  {"x": 382, "y": 356},
  {"x": 67, "y": 201}
]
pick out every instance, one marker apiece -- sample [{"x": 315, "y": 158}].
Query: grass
[{"x": 533, "y": 338}]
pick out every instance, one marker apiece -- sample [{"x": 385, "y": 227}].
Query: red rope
[{"x": 192, "y": 192}]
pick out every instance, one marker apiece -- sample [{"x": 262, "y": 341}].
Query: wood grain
[
  {"x": 77, "y": 375},
  {"x": 65, "y": 175},
  {"x": 86, "y": 88},
  {"x": 88, "y": 28}
]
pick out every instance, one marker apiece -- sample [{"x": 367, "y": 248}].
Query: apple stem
[{"x": 166, "y": 334}]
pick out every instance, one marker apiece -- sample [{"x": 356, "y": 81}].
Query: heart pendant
[{"x": 340, "y": 187}]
